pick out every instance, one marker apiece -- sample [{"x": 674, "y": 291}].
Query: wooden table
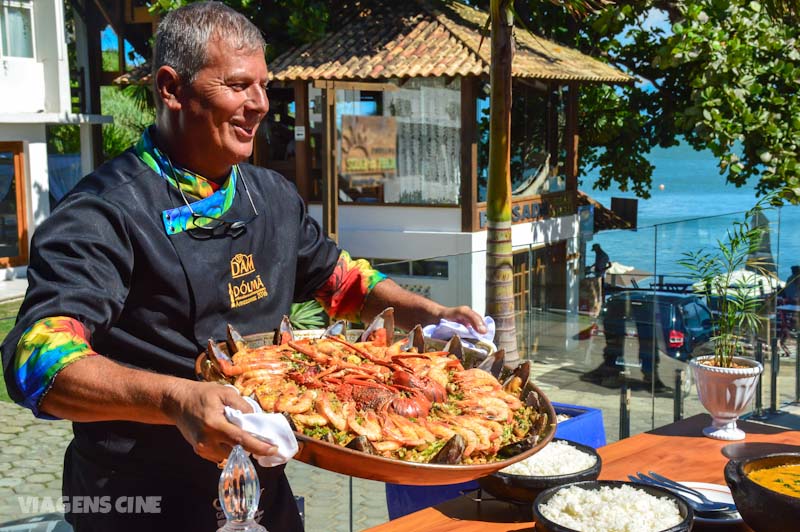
[{"x": 679, "y": 451}]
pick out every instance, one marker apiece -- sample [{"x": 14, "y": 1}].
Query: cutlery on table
[{"x": 696, "y": 499}]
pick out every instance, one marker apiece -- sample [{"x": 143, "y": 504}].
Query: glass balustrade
[{"x": 643, "y": 319}]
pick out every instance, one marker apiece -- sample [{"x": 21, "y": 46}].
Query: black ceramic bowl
[
  {"x": 543, "y": 524},
  {"x": 521, "y": 488},
  {"x": 763, "y": 509}
]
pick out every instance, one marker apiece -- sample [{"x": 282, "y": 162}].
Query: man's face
[{"x": 222, "y": 108}]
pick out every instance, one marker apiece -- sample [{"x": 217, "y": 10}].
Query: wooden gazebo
[{"x": 386, "y": 44}]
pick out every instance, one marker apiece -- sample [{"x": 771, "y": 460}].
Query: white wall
[
  {"x": 51, "y": 52},
  {"x": 40, "y": 84},
  {"x": 21, "y": 86},
  {"x": 406, "y": 233}
]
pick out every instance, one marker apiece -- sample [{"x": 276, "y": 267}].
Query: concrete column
[{"x": 37, "y": 178}]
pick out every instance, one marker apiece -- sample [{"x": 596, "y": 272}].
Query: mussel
[
  {"x": 452, "y": 451},
  {"x": 516, "y": 382},
  {"x": 284, "y": 333},
  {"x": 235, "y": 341},
  {"x": 493, "y": 363},
  {"x": 361, "y": 443},
  {"x": 384, "y": 320},
  {"x": 455, "y": 347}
]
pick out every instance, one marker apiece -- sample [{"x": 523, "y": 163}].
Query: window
[
  {"x": 430, "y": 268},
  {"x": 13, "y": 231},
  {"x": 413, "y": 268},
  {"x": 16, "y": 28}
]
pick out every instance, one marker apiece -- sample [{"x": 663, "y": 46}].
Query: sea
[{"x": 691, "y": 207}]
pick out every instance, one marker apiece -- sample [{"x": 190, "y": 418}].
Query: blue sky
[{"x": 108, "y": 41}]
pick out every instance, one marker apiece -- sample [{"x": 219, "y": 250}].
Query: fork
[{"x": 702, "y": 503}]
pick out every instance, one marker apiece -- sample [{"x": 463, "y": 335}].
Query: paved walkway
[{"x": 31, "y": 457}]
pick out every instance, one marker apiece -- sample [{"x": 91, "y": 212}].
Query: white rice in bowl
[
  {"x": 556, "y": 458},
  {"x": 611, "y": 509}
]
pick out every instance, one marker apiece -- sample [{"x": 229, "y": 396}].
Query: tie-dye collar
[{"x": 212, "y": 204}]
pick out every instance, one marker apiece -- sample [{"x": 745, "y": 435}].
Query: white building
[{"x": 34, "y": 92}]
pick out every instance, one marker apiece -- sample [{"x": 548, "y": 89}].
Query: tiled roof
[
  {"x": 604, "y": 218},
  {"x": 430, "y": 38}
]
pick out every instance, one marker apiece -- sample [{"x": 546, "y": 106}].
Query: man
[
  {"x": 601, "y": 261},
  {"x": 152, "y": 255},
  {"x": 791, "y": 290}
]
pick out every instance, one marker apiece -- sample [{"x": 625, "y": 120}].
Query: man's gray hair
[{"x": 183, "y": 35}]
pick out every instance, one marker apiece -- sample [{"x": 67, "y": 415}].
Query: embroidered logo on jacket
[
  {"x": 249, "y": 289},
  {"x": 242, "y": 265}
]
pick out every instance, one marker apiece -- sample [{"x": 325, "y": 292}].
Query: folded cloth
[
  {"x": 271, "y": 428},
  {"x": 446, "y": 329}
]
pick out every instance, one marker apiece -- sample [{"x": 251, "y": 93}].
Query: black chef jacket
[{"x": 152, "y": 301}]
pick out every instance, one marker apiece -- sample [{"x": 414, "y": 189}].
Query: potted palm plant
[{"x": 734, "y": 276}]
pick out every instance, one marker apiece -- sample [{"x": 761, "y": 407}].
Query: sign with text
[
  {"x": 369, "y": 149},
  {"x": 534, "y": 208}
]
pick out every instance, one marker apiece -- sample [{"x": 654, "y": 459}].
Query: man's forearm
[
  {"x": 410, "y": 309},
  {"x": 98, "y": 389}
]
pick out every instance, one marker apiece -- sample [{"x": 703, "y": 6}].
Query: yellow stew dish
[{"x": 783, "y": 479}]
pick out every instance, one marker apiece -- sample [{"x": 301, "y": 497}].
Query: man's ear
[{"x": 169, "y": 87}]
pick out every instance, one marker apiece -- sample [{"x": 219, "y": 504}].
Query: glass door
[{"x": 13, "y": 227}]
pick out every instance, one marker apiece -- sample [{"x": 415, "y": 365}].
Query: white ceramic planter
[{"x": 725, "y": 393}]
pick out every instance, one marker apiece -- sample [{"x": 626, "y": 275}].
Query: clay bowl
[
  {"x": 362, "y": 465},
  {"x": 761, "y": 508},
  {"x": 544, "y": 524},
  {"x": 522, "y": 488}
]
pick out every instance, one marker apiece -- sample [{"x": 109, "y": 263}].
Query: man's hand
[
  {"x": 197, "y": 409},
  {"x": 465, "y": 316}
]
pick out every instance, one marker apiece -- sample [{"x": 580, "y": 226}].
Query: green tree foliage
[
  {"x": 131, "y": 116},
  {"x": 723, "y": 76},
  {"x": 285, "y": 23}
]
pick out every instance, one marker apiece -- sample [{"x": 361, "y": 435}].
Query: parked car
[{"x": 678, "y": 324}]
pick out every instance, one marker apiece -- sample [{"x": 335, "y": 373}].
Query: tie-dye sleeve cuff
[
  {"x": 344, "y": 293},
  {"x": 47, "y": 347}
]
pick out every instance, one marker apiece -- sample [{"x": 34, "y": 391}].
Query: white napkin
[
  {"x": 271, "y": 428},
  {"x": 445, "y": 330}
]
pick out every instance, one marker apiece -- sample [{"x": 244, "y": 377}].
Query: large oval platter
[{"x": 354, "y": 463}]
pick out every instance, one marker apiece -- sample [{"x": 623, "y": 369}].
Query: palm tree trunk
[{"x": 499, "y": 256}]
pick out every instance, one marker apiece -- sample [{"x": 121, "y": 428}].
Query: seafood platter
[{"x": 401, "y": 410}]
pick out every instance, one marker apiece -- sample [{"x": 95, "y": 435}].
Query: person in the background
[
  {"x": 601, "y": 261},
  {"x": 153, "y": 254},
  {"x": 787, "y": 317},
  {"x": 791, "y": 291}
]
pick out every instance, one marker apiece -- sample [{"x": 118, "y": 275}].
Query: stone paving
[{"x": 31, "y": 458}]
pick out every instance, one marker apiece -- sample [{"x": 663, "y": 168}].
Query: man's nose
[{"x": 258, "y": 100}]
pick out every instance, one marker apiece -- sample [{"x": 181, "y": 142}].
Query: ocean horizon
[{"x": 691, "y": 206}]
